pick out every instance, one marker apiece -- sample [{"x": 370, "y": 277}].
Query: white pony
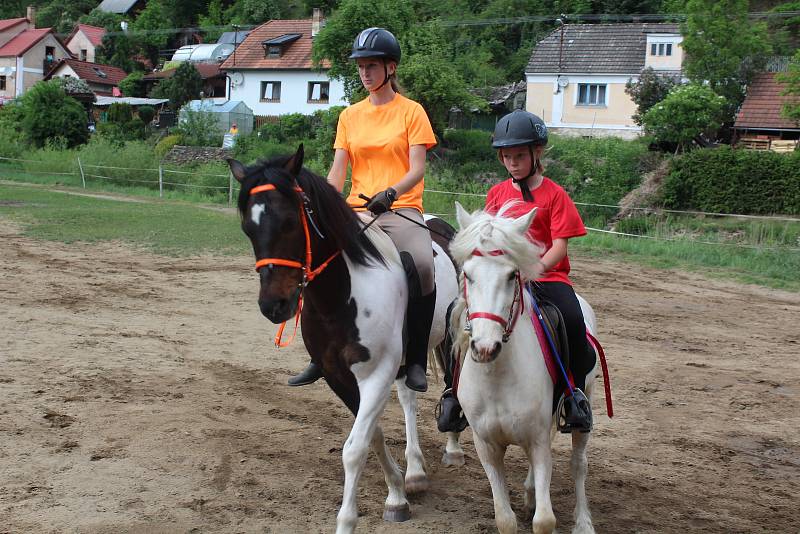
[{"x": 504, "y": 386}]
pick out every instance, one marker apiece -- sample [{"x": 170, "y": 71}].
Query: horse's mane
[
  {"x": 336, "y": 220},
  {"x": 486, "y": 233}
]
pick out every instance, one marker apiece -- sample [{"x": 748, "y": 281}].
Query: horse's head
[
  {"x": 271, "y": 212},
  {"x": 495, "y": 256}
]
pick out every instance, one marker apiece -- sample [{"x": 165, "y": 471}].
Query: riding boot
[
  {"x": 310, "y": 374},
  {"x": 419, "y": 320},
  {"x": 449, "y": 416}
]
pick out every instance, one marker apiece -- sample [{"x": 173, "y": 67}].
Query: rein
[
  {"x": 507, "y": 324},
  {"x": 308, "y": 273}
]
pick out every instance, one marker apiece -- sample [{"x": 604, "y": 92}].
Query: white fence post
[
  {"x": 83, "y": 178},
  {"x": 230, "y": 188},
  {"x": 160, "y": 181}
]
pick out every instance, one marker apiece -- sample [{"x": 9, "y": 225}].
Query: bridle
[
  {"x": 514, "y": 311},
  {"x": 309, "y": 274}
]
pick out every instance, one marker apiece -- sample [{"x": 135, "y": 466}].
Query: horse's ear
[
  {"x": 523, "y": 223},
  {"x": 462, "y": 216},
  {"x": 295, "y": 163},
  {"x": 237, "y": 169}
]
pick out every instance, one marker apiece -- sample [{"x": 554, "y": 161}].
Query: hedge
[{"x": 734, "y": 181}]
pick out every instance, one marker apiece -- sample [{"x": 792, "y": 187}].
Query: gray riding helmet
[
  {"x": 376, "y": 42},
  {"x": 519, "y": 128}
]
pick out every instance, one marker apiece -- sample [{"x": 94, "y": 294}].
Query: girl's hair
[{"x": 393, "y": 79}]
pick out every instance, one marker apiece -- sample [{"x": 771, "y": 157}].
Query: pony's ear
[
  {"x": 523, "y": 223},
  {"x": 237, "y": 169},
  {"x": 464, "y": 219},
  {"x": 295, "y": 163}
]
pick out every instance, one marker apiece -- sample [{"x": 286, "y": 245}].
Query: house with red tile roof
[
  {"x": 214, "y": 80},
  {"x": 102, "y": 79},
  {"x": 272, "y": 72},
  {"x": 84, "y": 40},
  {"x": 26, "y": 54},
  {"x": 576, "y": 75},
  {"x": 760, "y": 115}
]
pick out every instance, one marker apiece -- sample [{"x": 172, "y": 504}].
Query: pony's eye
[{"x": 512, "y": 276}]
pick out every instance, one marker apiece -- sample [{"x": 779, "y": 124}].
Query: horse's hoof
[
  {"x": 397, "y": 514},
  {"x": 453, "y": 458},
  {"x": 417, "y": 484}
]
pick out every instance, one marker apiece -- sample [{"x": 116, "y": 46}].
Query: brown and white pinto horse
[{"x": 310, "y": 244}]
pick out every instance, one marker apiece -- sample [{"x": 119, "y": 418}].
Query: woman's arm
[
  {"x": 416, "y": 170},
  {"x": 338, "y": 172},
  {"x": 555, "y": 254}
]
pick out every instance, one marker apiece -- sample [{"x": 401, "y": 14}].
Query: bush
[
  {"x": 146, "y": 113},
  {"x": 685, "y": 113},
  {"x": 198, "y": 128},
  {"x": 120, "y": 113},
  {"x": 291, "y": 127},
  {"x": 166, "y": 144},
  {"x": 469, "y": 146},
  {"x": 48, "y": 114},
  {"x": 734, "y": 181}
]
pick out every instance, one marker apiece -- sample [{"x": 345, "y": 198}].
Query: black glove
[{"x": 382, "y": 201}]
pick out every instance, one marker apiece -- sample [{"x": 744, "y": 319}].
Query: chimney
[
  {"x": 316, "y": 22},
  {"x": 32, "y": 17}
]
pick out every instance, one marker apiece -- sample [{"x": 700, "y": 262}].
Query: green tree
[
  {"x": 117, "y": 50},
  {"x": 48, "y": 114},
  {"x": 791, "y": 110},
  {"x": 103, "y": 19},
  {"x": 212, "y": 20},
  {"x": 152, "y": 29},
  {"x": 247, "y": 12},
  {"x": 62, "y": 15},
  {"x": 198, "y": 128},
  {"x": 724, "y": 47},
  {"x": 184, "y": 85},
  {"x": 649, "y": 90},
  {"x": 133, "y": 84},
  {"x": 687, "y": 112}
]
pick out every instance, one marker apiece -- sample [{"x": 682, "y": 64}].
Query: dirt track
[{"x": 140, "y": 393}]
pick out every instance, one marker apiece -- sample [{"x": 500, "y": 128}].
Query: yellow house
[{"x": 576, "y": 75}]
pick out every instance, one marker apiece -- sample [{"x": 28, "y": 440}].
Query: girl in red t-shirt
[{"x": 520, "y": 138}]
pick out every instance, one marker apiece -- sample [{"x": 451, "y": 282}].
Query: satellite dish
[
  {"x": 563, "y": 81},
  {"x": 237, "y": 78}
]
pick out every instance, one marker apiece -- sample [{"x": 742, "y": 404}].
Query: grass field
[{"x": 184, "y": 228}]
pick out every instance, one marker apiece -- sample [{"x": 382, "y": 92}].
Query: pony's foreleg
[
  {"x": 453, "y": 453},
  {"x": 579, "y": 467},
  {"x": 416, "y": 479},
  {"x": 541, "y": 458},
  {"x": 491, "y": 456},
  {"x": 396, "y": 508},
  {"x": 374, "y": 392}
]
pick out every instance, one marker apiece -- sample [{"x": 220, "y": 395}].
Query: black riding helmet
[
  {"x": 521, "y": 128},
  {"x": 378, "y": 43}
]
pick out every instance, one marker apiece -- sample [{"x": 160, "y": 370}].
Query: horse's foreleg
[
  {"x": 374, "y": 392},
  {"x": 579, "y": 467},
  {"x": 540, "y": 456},
  {"x": 453, "y": 453},
  {"x": 491, "y": 456},
  {"x": 416, "y": 479},
  {"x": 396, "y": 508}
]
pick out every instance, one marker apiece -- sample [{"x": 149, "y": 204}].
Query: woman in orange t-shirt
[{"x": 384, "y": 139}]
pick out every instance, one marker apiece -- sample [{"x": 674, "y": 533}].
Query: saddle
[{"x": 556, "y": 327}]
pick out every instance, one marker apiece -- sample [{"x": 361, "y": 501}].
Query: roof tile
[
  {"x": 91, "y": 72},
  {"x": 297, "y": 55},
  {"x": 763, "y": 104},
  {"x": 10, "y": 23},
  {"x": 23, "y": 41}
]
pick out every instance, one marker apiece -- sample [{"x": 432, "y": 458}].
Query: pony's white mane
[
  {"x": 498, "y": 232},
  {"x": 485, "y": 233}
]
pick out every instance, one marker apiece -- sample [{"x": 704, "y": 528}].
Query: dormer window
[
  {"x": 100, "y": 72},
  {"x": 660, "y": 49},
  {"x": 274, "y": 48}
]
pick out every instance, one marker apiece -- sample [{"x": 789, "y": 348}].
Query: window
[
  {"x": 83, "y": 54},
  {"x": 591, "y": 94},
  {"x": 318, "y": 92},
  {"x": 270, "y": 91},
  {"x": 2, "y": 83},
  {"x": 49, "y": 53},
  {"x": 660, "y": 49},
  {"x": 273, "y": 52}
]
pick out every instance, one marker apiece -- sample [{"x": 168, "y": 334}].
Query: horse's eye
[{"x": 512, "y": 276}]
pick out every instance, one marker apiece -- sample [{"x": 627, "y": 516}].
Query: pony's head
[
  {"x": 295, "y": 221},
  {"x": 495, "y": 256},
  {"x": 271, "y": 219}
]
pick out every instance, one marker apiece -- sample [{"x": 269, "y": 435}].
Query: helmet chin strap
[
  {"x": 527, "y": 196},
  {"x": 385, "y": 77}
]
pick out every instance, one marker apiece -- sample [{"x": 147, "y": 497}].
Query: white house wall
[{"x": 294, "y": 91}]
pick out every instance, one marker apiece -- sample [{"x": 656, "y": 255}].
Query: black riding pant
[{"x": 581, "y": 357}]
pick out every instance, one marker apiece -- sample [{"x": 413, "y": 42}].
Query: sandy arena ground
[{"x": 141, "y": 393}]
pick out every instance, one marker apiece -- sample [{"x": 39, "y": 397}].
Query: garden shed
[{"x": 226, "y": 113}]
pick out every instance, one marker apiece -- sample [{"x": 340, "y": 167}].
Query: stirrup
[
  {"x": 573, "y": 413},
  {"x": 449, "y": 415}
]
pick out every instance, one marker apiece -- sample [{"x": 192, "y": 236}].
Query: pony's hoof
[
  {"x": 397, "y": 514},
  {"x": 417, "y": 484},
  {"x": 453, "y": 458}
]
